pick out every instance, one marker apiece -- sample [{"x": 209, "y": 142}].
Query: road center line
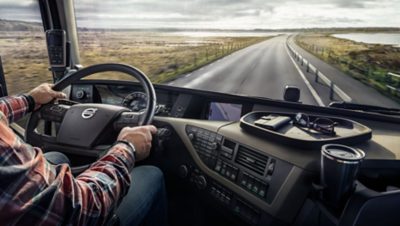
[{"x": 309, "y": 86}]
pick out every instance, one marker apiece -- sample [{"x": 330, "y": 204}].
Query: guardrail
[
  {"x": 334, "y": 89},
  {"x": 391, "y": 83}
]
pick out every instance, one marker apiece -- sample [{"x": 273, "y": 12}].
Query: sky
[{"x": 220, "y": 14}]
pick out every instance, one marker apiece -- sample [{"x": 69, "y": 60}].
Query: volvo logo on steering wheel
[{"x": 89, "y": 113}]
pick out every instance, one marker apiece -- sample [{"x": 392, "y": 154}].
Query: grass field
[
  {"x": 368, "y": 63},
  {"x": 161, "y": 56}
]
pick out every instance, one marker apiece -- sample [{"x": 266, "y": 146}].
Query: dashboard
[{"x": 255, "y": 178}]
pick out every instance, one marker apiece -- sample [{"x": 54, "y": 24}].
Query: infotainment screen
[{"x": 224, "y": 111}]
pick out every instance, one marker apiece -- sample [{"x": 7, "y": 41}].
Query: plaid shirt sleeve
[{"x": 33, "y": 191}]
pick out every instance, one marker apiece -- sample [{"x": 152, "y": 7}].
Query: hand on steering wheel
[{"x": 88, "y": 129}]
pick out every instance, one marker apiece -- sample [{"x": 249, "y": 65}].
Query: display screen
[{"x": 224, "y": 111}]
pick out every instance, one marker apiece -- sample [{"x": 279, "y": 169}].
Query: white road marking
[
  {"x": 309, "y": 86},
  {"x": 187, "y": 75}
]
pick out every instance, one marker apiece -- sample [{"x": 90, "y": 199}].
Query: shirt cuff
[{"x": 31, "y": 102}]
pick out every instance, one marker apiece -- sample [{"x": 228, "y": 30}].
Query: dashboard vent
[{"x": 251, "y": 160}]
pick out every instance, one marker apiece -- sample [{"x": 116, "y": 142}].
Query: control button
[
  {"x": 218, "y": 167},
  {"x": 255, "y": 188},
  {"x": 80, "y": 94},
  {"x": 183, "y": 171},
  {"x": 233, "y": 176},
  {"x": 261, "y": 193},
  {"x": 191, "y": 136},
  {"x": 250, "y": 183},
  {"x": 201, "y": 182},
  {"x": 223, "y": 170},
  {"x": 271, "y": 167},
  {"x": 214, "y": 146},
  {"x": 243, "y": 181}
]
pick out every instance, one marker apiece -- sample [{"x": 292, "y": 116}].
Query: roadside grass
[
  {"x": 162, "y": 57},
  {"x": 368, "y": 63}
]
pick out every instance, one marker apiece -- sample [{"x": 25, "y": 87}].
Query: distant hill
[{"x": 11, "y": 25}]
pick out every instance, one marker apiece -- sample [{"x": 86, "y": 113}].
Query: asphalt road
[
  {"x": 266, "y": 68},
  {"x": 263, "y": 69}
]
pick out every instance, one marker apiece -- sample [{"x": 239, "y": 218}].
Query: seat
[{"x": 370, "y": 208}]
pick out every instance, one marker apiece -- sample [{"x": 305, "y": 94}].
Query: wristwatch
[{"x": 130, "y": 145}]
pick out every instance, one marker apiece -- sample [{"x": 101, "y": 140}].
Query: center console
[{"x": 260, "y": 175}]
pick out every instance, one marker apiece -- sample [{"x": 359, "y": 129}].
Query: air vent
[{"x": 251, "y": 160}]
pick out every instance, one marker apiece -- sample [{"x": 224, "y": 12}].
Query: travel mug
[{"x": 339, "y": 168}]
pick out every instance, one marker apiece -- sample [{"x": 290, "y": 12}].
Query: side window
[{"x": 22, "y": 46}]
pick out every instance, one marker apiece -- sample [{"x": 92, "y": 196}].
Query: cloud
[{"x": 245, "y": 14}]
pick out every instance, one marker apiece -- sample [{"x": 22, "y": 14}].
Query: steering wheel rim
[{"x": 49, "y": 143}]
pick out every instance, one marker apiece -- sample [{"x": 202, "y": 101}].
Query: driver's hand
[
  {"x": 140, "y": 137},
  {"x": 44, "y": 93}
]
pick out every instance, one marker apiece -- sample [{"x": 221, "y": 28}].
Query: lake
[{"x": 373, "y": 38}]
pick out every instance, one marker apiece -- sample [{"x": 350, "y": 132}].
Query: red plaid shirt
[{"x": 35, "y": 192}]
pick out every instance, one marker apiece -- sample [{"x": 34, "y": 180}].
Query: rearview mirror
[{"x": 292, "y": 94}]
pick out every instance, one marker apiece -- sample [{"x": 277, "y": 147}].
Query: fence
[{"x": 319, "y": 76}]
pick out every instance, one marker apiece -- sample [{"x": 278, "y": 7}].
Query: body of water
[
  {"x": 373, "y": 38},
  {"x": 223, "y": 34}
]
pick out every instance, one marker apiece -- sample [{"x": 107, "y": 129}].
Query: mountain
[{"x": 11, "y": 25}]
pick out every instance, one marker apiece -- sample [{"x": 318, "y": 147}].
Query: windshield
[{"x": 332, "y": 50}]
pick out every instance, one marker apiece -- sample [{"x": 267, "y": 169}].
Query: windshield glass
[{"x": 332, "y": 50}]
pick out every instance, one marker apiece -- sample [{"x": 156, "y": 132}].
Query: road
[{"x": 263, "y": 69}]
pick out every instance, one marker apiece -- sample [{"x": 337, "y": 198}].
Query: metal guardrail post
[{"x": 332, "y": 91}]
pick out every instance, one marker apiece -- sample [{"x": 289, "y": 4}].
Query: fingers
[
  {"x": 54, "y": 94},
  {"x": 58, "y": 95},
  {"x": 151, "y": 128}
]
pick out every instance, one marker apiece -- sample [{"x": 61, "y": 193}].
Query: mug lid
[{"x": 342, "y": 152}]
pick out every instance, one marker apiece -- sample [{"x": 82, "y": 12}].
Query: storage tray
[{"x": 348, "y": 132}]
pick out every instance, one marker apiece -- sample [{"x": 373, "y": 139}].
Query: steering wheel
[{"x": 88, "y": 129}]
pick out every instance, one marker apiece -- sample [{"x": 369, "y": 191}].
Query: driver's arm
[
  {"x": 16, "y": 107},
  {"x": 33, "y": 191}
]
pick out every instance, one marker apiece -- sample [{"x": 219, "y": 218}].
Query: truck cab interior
[{"x": 228, "y": 159}]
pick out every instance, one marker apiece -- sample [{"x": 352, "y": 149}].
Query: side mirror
[{"x": 292, "y": 94}]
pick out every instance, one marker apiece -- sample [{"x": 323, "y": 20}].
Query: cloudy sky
[{"x": 221, "y": 14}]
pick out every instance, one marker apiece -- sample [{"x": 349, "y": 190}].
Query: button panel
[
  {"x": 247, "y": 212},
  {"x": 221, "y": 155},
  {"x": 206, "y": 144},
  {"x": 254, "y": 185},
  {"x": 226, "y": 170},
  {"x": 221, "y": 194}
]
